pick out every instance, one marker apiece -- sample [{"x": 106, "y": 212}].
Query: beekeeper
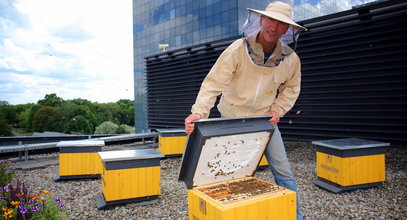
[{"x": 258, "y": 74}]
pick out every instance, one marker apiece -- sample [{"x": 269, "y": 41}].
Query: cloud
[
  {"x": 74, "y": 48},
  {"x": 305, "y": 9}
]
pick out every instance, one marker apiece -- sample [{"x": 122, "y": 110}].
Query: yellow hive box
[
  {"x": 263, "y": 162},
  {"x": 247, "y": 198},
  {"x": 129, "y": 176},
  {"x": 79, "y": 159},
  {"x": 220, "y": 159},
  {"x": 171, "y": 142},
  {"x": 350, "y": 163}
]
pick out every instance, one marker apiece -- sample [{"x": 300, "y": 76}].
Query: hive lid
[
  {"x": 169, "y": 132},
  {"x": 224, "y": 149},
  {"x": 350, "y": 143},
  {"x": 120, "y": 155},
  {"x": 81, "y": 143}
]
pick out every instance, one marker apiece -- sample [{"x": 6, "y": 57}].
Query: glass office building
[{"x": 175, "y": 24}]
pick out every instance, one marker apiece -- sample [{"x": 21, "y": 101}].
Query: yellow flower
[
  {"x": 45, "y": 191},
  {"x": 15, "y": 203},
  {"x": 8, "y": 213},
  {"x": 43, "y": 200}
]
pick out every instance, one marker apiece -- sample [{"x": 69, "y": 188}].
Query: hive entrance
[{"x": 234, "y": 191}]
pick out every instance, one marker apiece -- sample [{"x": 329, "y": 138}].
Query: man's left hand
[{"x": 275, "y": 119}]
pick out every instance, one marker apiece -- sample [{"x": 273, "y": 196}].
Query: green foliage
[
  {"x": 71, "y": 116},
  {"x": 124, "y": 129},
  {"x": 45, "y": 119},
  {"x": 5, "y": 129},
  {"x": 79, "y": 124},
  {"x": 17, "y": 203},
  {"x": 106, "y": 127},
  {"x": 23, "y": 116},
  {"x": 51, "y": 100},
  {"x": 7, "y": 172}
]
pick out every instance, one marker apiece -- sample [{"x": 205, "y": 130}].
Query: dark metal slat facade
[{"x": 354, "y": 78}]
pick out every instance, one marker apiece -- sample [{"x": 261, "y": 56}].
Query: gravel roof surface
[{"x": 388, "y": 201}]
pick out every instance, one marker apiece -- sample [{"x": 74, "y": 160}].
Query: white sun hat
[{"x": 280, "y": 11}]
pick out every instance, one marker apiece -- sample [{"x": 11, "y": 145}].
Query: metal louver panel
[{"x": 354, "y": 78}]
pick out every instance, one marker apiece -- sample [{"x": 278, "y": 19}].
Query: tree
[
  {"x": 5, "y": 129},
  {"x": 126, "y": 111},
  {"x": 78, "y": 124},
  {"x": 51, "y": 100},
  {"x": 23, "y": 117},
  {"x": 45, "y": 119}
]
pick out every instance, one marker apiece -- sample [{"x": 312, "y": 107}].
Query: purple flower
[
  {"x": 8, "y": 171},
  {"x": 6, "y": 188},
  {"x": 22, "y": 209},
  {"x": 35, "y": 209},
  {"x": 61, "y": 206},
  {"x": 57, "y": 199},
  {"x": 31, "y": 201}
]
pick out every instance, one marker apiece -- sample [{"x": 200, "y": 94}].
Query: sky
[{"x": 73, "y": 48}]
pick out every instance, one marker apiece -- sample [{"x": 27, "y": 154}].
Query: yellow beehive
[
  {"x": 79, "y": 159},
  {"x": 129, "y": 176},
  {"x": 247, "y": 198},
  {"x": 220, "y": 159},
  {"x": 351, "y": 163},
  {"x": 171, "y": 142},
  {"x": 263, "y": 162}
]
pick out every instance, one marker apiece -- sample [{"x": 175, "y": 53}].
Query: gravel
[{"x": 388, "y": 201}]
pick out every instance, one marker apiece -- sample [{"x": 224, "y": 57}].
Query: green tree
[
  {"x": 34, "y": 109},
  {"x": 126, "y": 111},
  {"x": 23, "y": 117},
  {"x": 78, "y": 124},
  {"x": 45, "y": 119},
  {"x": 8, "y": 113},
  {"x": 5, "y": 129},
  {"x": 51, "y": 100}
]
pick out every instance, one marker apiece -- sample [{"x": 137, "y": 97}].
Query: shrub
[
  {"x": 7, "y": 172},
  {"x": 124, "y": 129},
  {"x": 106, "y": 127},
  {"x": 18, "y": 203}
]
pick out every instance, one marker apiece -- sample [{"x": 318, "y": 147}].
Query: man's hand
[
  {"x": 275, "y": 119},
  {"x": 189, "y": 125}
]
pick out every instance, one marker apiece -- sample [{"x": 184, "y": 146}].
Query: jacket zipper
[{"x": 255, "y": 97}]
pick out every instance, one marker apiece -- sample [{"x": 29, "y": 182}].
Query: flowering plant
[
  {"x": 7, "y": 172},
  {"x": 17, "y": 203}
]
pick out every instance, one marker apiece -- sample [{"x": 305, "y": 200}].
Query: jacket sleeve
[
  {"x": 289, "y": 90},
  {"x": 218, "y": 78}
]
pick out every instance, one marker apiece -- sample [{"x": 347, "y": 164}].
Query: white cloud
[{"x": 74, "y": 48}]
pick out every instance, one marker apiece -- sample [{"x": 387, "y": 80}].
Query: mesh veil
[{"x": 288, "y": 40}]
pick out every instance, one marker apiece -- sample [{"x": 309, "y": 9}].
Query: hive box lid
[
  {"x": 224, "y": 149},
  {"x": 81, "y": 143},
  {"x": 120, "y": 155},
  {"x": 350, "y": 143},
  {"x": 171, "y": 132}
]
